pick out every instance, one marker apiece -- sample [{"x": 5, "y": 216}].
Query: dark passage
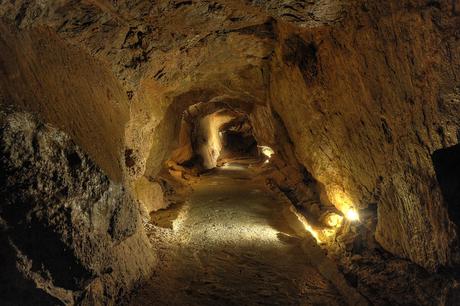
[{"x": 447, "y": 166}]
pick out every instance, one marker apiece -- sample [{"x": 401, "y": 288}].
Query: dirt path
[{"x": 230, "y": 245}]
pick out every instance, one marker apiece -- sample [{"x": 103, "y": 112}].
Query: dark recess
[
  {"x": 447, "y": 166},
  {"x": 302, "y": 54}
]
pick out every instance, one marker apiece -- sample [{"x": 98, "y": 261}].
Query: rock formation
[
  {"x": 68, "y": 233},
  {"x": 360, "y": 101}
]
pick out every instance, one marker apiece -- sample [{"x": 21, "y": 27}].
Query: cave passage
[
  {"x": 230, "y": 152},
  {"x": 211, "y": 135},
  {"x": 233, "y": 239},
  {"x": 234, "y": 243}
]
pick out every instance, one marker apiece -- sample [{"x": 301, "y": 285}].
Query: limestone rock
[
  {"x": 150, "y": 195},
  {"x": 68, "y": 233}
]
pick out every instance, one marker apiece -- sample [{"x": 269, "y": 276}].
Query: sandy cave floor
[{"x": 230, "y": 244}]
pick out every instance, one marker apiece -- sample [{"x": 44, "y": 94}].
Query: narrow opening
[
  {"x": 447, "y": 166},
  {"x": 214, "y": 136},
  {"x": 238, "y": 142}
]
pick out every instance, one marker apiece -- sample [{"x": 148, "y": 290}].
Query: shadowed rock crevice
[
  {"x": 303, "y": 55},
  {"x": 447, "y": 166}
]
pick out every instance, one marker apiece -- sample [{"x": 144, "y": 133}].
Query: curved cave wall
[
  {"x": 357, "y": 95},
  {"x": 207, "y": 142},
  {"x": 45, "y": 75},
  {"x": 204, "y": 131}
]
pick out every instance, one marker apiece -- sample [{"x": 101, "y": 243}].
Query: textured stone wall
[
  {"x": 41, "y": 73},
  {"x": 369, "y": 111},
  {"x": 68, "y": 233}
]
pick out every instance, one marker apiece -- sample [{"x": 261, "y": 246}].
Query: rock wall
[
  {"x": 41, "y": 73},
  {"x": 370, "y": 110},
  {"x": 208, "y": 142},
  {"x": 68, "y": 233}
]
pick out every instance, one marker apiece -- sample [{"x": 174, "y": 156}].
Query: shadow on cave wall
[{"x": 447, "y": 166}]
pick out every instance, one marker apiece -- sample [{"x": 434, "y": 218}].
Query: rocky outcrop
[
  {"x": 150, "y": 195},
  {"x": 387, "y": 280},
  {"x": 68, "y": 233}
]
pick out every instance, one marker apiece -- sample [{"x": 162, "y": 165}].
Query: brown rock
[{"x": 69, "y": 233}]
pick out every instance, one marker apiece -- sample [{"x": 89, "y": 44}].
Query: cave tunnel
[
  {"x": 229, "y": 152},
  {"x": 215, "y": 134}
]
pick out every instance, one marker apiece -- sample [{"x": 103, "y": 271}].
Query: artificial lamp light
[
  {"x": 352, "y": 215},
  {"x": 267, "y": 151}
]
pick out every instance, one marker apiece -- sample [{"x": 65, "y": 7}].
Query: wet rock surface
[{"x": 68, "y": 234}]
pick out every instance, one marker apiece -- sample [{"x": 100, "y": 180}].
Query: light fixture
[
  {"x": 344, "y": 203},
  {"x": 352, "y": 215},
  {"x": 267, "y": 151}
]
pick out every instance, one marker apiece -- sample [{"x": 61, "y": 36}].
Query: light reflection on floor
[
  {"x": 226, "y": 216},
  {"x": 233, "y": 167},
  {"x": 230, "y": 245}
]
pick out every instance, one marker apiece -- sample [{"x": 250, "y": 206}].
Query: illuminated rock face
[
  {"x": 372, "y": 103},
  {"x": 150, "y": 195},
  {"x": 67, "y": 87},
  {"x": 360, "y": 94},
  {"x": 209, "y": 142}
]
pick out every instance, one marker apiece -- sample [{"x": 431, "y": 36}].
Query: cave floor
[{"x": 230, "y": 244}]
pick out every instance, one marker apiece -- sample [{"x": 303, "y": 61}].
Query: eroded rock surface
[
  {"x": 68, "y": 233},
  {"x": 367, "y": 91}
]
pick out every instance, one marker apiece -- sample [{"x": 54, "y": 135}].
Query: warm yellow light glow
[
  {"x": 352, "y": 215},
  {"x": 232, "y": 167},
  {"x": 267, "y": 151},
  {"x": 334, "y": 220},
  {"x": 311, "y": 231},
  {"x": 341, "y": 200},
  {"x": 328, "y": 232},
  {"x": 343, "y": 203},
  {"x": 242, "y": 231},
  {"x": 306, "y": 225}
]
